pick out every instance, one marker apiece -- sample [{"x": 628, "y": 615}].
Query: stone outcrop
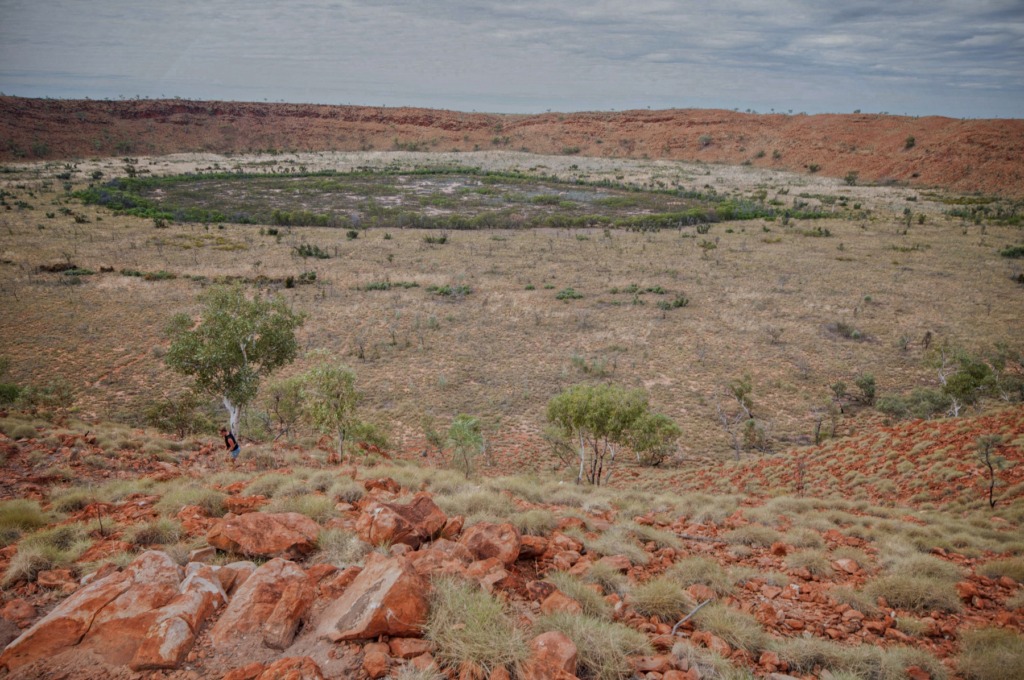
[
  {"x": 411, "y": 523},
  {"x": 486, "y": 540},
  {"x": 388, "y": 597},
  {"x": 286, "y": 534},
  {"x": 268, "y": 606}
]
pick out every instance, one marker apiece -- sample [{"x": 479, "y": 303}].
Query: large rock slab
[
  {"x": 111, "y": 616},
  {"x": 259, "y": 602},
  {"x": 409, "y": 523},
  {"x": 285, "y": 534},
  {"x": 387, "y": 598}
]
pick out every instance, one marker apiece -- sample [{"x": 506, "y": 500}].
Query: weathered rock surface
[
  {"x": 112, "y": 616},
  {"x": 269, "y": 605},
  {"x": 486, "y": 540},
  {"x": 553, "y": 654},
  {"x": 409, "y": 523},
  {"x": 388, "y": 597},
  {"x": 285, "y": 534}
]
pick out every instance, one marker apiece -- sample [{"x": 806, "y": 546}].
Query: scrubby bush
[
  {"x": 162, "y": 531},
  {"x": 739, "y": 629},
  {"x": 593, "y": 604},
  {"x": 340, "y": 548},
  {"x": 18, "y": 516}
]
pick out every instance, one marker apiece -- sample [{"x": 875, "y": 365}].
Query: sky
[{"x": 957, "y": 58}]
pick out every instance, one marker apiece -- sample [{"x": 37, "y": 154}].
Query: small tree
[
  {"x": 283, "y": 401},
  {"x": 653, "y": 438},
  {"x": 466, "y": 441},
  {"x": 599, "y": 419},
  {"x": 986, "y": 447},
  {"x": 330, "y": 400},
  {"x": 237, "y": 341}
]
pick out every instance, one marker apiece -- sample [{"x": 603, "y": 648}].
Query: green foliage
[
  {"x": 284, "y": 404},
  {"x": 466, "y": 441},
  {"x": 851, "y": 178},
  {"x": 678, "y": 302},
  {"x": 739, "y": 629},
  {"x": 179, "y": 415},
  {"x": 568, "y": 294},
  {"x": 472, "y": 630},
  {"x": 1015, "y": 252},
  {"x": 653, "y": 438},
  {"x": 160, "y": 531},
  {"x": 305, "y": 250},
  {"x": 448, "y": 290},
  {"x": 909, "y": 142},
  {"x": 9, "y": 393},
  {"x": 602, "y": 418},
  {"x": 593, "y": 603},
  {"x": 921, "y": 403},
  {"x": 53, "y": 400},
  {"x": 704, "y": 570},
  {"x": 866, "y": 384},
  {"x": 238, "y": 341},
  {"x": 330, "y": 399}
]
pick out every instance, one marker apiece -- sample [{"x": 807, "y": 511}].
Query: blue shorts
[{"x": 234, "y": 452}]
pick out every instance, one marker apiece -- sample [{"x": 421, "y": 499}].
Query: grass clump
[
  {"x": 347, "y": 490},
  {"x": 318, "y": 508},
  {"x": 991, "y": 654},
  {"x": 472, "y": 630},
  {"x": 603, "y": 647},
  {"x": 18, "y": 516},
  {"x": 915, "y": 593},
  {"x": 662, "y": 597},
  {"x": 47, "y": 549},
  {"x": 176, "y": 498},
  {"x": 592, "y": 602},
  {"x": 162, "y": 531},
  {"x": 72, "y": 500},
  {"x": 709, "y": 664},
  {"x": 862, "y": 662},
  {"x": 814, "y": 561},
  {"x": 856, "y": 599},
  {"x": 1011, "y": 566},
  {"x": 608, "y": 577},
  {"x": 535, "y": 522},
  {"x": 340, "y": 548},
  {"x": 753, "y": 535},
  {"x": 703, "y": 570},
  {"x": 739, "y": 629},
  {"x": 617, "y": 541}
]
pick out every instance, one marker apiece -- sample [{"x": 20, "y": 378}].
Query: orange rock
[
  {"x": 19, "y": 612},
  {"x": 967, "y": 590},
  {"x": 619, "y": 563},
  {"x": 407, "y": 648},
  {"x": 917, "y": 673},
  {"x": 652, "y": 664},
  {"x": 846, "y": 565},
  {"x": 292, "y": 668},
  {"x": 552, "y": 653},
  {"x": 282, "y": 623},
  {"x": 701, "y": 592},
  {"x": 411, "y": 523},
  {"x": 492, "y": 540},
  {"x": 284, "y": 534},
  {"x": 779, "y": 549},
  {"x": 255, "y": 602},
  {"x": 376, "y": 664},
  {"x": 387, "y": 598},
  {"x": 560, "y": 602}
]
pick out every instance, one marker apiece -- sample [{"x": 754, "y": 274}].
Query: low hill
[{"x": 963, "y": 155}]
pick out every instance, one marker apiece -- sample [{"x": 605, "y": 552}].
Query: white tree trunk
[
  {"x": 233, "y": 413},
  {"x": 583, "y": 460}
]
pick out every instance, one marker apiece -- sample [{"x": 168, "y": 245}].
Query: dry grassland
[{"x": 503, "y": 350}]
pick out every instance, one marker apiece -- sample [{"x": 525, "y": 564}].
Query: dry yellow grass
[{"x": 503, "y": 351}]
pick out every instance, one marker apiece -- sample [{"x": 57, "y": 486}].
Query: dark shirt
[{"x": 230, "y": 443}]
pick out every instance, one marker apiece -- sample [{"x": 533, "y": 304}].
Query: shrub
[
  {"x": 859, "y": 661},
  {"x": 866, "y": 384},
  {"x": 603, "y": 647},
  {"x": 678, "y": 302},
  {"x": 1015, "y": 252},
  {"x": 9, "y": 393},
  {"x": 305, "y": 250},
  {"x": 72, "y": 500},
  {"x": 568, "y": 294},
  {"x": 814, "y": 561},
  {"x": 472, "y": 630},
  {"x": 921, "y": 403},
  {"x": 662, "y": 597},
  {"x": 608, "y": 577},
  {"x": 703, "y": 570},
  {"x": 909, "y": 142},
  {"x": 348, "y": 490}
]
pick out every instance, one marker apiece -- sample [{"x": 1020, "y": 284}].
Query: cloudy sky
[{"x": 960, "y": 58}]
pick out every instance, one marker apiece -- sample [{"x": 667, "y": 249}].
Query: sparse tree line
[{"x": 238, "y": 341}]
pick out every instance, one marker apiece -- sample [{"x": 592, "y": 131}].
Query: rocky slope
[
  {"x": 962, "y": 155},
  {"x": 788, "y": 596}
]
